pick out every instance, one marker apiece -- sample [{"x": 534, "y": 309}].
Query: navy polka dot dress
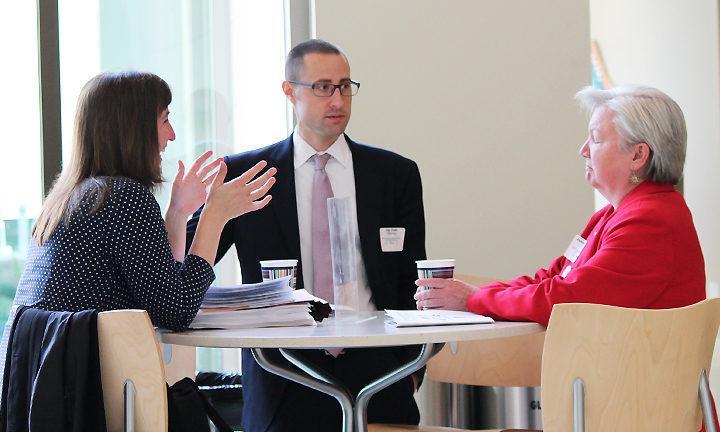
[{"x": 117, "y": 258}]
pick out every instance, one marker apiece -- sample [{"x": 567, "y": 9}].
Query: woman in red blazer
[{"x": 640, "y": 251}]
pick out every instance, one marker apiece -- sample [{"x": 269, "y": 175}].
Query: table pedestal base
[{"x": 354, "y": 409}]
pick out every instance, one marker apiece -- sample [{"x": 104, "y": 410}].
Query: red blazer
[{"x": 644, "y": 254}]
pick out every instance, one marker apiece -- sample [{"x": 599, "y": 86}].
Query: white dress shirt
[{"x": 339, "y": 169}]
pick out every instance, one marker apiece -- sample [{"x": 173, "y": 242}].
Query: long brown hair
[{"x": 115, "y": 135}]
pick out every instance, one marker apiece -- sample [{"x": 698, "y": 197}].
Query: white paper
[
  {"x": 413, "y": 318},
  {"x": 266, "y": 293},
  {"x": 271, "y": 303},
  {"x": 286, "y": 315}
]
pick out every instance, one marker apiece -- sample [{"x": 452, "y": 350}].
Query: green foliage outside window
[{"x": 10, "y": 270}]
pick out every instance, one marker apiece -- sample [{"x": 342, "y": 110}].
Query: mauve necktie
[{"x": 322, "y": 260}]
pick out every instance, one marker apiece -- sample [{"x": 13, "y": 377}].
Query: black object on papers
[{"x": 414, "y": 318}]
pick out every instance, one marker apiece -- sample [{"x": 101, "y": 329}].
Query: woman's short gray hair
[{"x": 645, "y": 115}]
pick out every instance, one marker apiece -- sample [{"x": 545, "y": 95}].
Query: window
[
  {"x": 223, "y": 60},
  {"x": 20, "y": 177}
]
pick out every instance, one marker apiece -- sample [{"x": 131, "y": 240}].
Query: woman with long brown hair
[{"x": 100, "y": 241}]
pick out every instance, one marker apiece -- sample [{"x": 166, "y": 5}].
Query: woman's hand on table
[{"x": 451, "y": 294}]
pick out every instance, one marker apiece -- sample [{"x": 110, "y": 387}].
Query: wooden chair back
[
  {"x": 641, "y": 368},
  {"x": 130, "y": 350},
  {"x": 514, "y": 361}
]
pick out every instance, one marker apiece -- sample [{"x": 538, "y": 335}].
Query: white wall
[
  {"x": 479, "y": 94},
  {"x": 673, "y": 45}
]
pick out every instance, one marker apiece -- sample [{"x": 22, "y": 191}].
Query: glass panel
[
  {"x": 223, "y": 60},
  {"x": 21, "y": 178}
]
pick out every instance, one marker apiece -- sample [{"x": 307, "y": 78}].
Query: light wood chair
[
  {"x": 505, "y": 362},
  {"x": 129, "y": 350},
  {"x": 641, "y": 369}
]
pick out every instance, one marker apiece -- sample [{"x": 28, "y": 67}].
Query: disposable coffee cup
[
  {"x": 276, "y": 269},
  {"x": 443, "y": 268}
]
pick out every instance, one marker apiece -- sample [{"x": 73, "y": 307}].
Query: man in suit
[{"x": 386, "y": 189}]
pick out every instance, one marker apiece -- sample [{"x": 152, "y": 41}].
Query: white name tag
[
  {"x": 576, "y": 246},
  {"x": 392, "y": 239}
]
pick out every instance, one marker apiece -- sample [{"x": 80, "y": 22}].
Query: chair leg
[
  {"x": 578, "y": 405},
  {"x": 705, "y": 401},
  {"x": 129, "y": 391}
]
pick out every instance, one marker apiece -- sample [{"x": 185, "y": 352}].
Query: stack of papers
[
  {"x": 266, "y": 293},
  {"x": 413, "y": 318},
  {"x": 266, "y": 304}
]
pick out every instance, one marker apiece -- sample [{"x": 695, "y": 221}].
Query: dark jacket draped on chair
[{"x": 52, "y": 373}]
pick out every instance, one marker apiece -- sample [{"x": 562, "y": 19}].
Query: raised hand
[
  {"x": 189, "y": 189},
  {"x": 242, "y": 194}
]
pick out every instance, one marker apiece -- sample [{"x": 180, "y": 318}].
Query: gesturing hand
[
  {"x": 242, "y": 194},
  {"x": 189, "y": 189}
]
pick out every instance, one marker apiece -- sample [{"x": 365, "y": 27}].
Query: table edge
[{"x": 445, "y": 333}]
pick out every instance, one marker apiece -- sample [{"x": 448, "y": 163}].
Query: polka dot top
[{"x": 117, "y": 258}]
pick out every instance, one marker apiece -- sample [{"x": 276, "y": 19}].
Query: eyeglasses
[{"x": 326, "y": 89}]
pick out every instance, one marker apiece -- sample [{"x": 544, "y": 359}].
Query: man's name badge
[
  {"x": 576, "y": 246},
  {"x": 392, "y": 239}
]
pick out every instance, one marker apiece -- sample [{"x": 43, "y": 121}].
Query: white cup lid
[
  {"x": 435, "y": 263},
  {"x": 279, "y": 263}
]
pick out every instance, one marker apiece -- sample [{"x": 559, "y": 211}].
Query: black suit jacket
[{"x": 388, "y": 194}]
